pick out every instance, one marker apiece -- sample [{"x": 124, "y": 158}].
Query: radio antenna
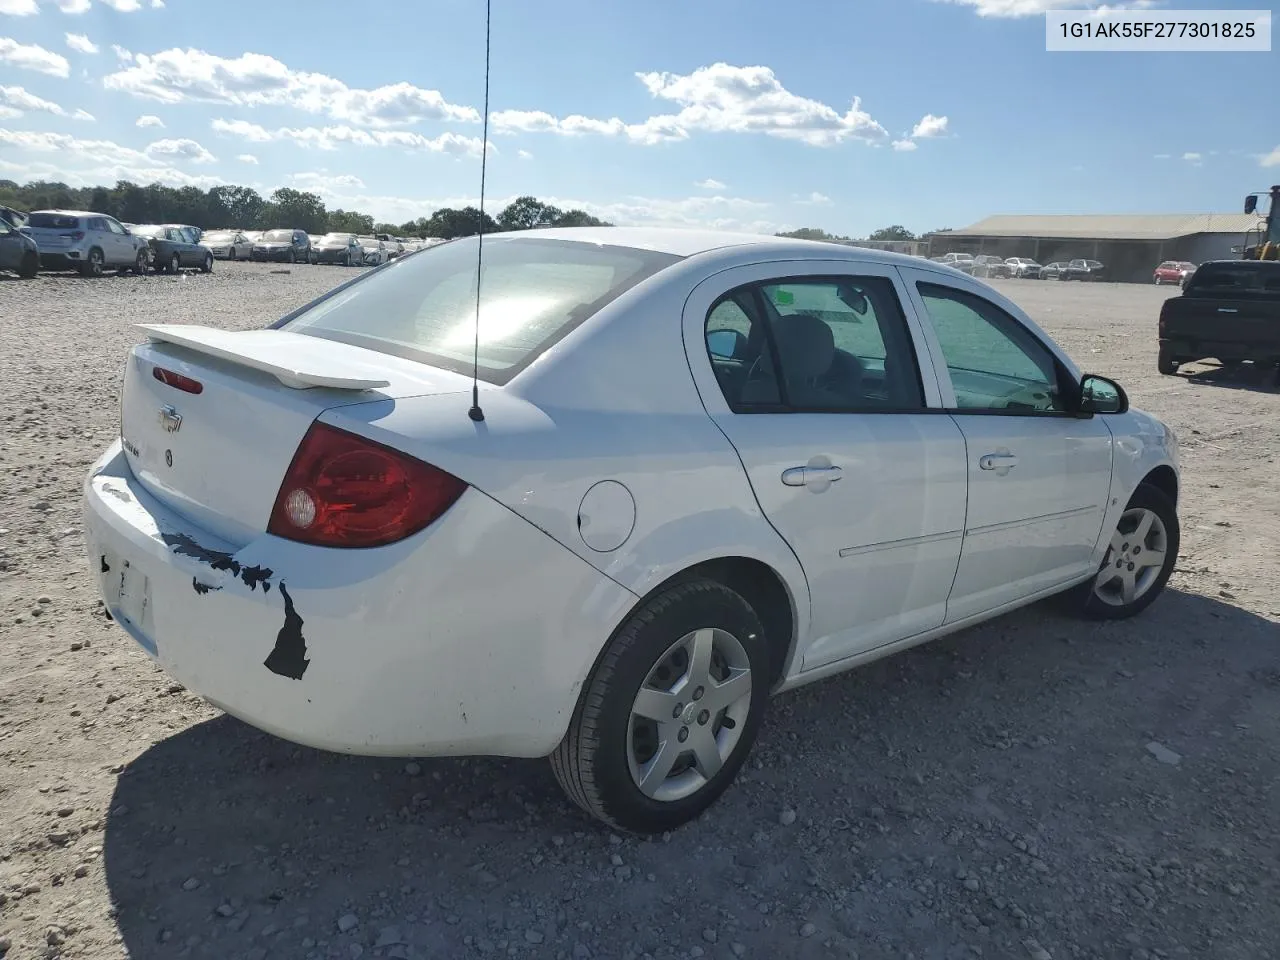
[{"x": 475, "y": 413}]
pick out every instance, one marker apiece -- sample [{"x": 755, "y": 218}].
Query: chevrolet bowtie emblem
[{"x": 170, "y": 419}]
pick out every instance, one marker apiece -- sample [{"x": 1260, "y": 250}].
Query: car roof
[
  {"x": 689, "y": 243},
  {"x": 74, "y": 213}
]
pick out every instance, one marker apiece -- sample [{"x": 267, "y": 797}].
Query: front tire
[
  {"x": 140, "y": 263},
  {"x": 670, "y": 711},
  {"x": 1140, "y": 558},
  {"x": 207, "y": 266},
  {"x": 175, "y": 264}
]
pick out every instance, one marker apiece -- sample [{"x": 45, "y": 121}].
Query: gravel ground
[{"x": 1033, "y": 788}]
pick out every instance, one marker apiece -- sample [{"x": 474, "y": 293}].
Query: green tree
[
  {"x": 232, "y": 206},
  {"x": 810, "y": 233},
  {"x": 100, "y": 201},
  {"x": 528, "y": 213},
  {"x": 896, "y": 232},
  {"x": 296, "y": 210},
  {"x": 449, "y": 223},
  {"x": 580, "y": 218},
  {"x": 348, "y": 221}
]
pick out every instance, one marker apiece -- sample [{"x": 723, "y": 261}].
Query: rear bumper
[
  {"x": 472, "y": 637},
  {"x": 1185, "y": 349},
  {"x": 60, "y": 261}
]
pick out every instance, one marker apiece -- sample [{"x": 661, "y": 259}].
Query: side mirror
[
  {"x": 725, "y": 344},
  {"x": 1251, "y": 203},
  {"x": 1101, "y": 395}
]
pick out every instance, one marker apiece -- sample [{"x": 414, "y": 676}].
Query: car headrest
[{"x": 805, "y": 345}]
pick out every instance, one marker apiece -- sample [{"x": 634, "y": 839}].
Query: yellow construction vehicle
[{"x": 1268, "y": 229}]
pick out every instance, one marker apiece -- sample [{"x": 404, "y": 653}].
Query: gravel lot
[{"x": 1034, "y": 788}]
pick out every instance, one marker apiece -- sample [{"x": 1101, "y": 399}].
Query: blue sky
[{"x": 745, "y": 114}]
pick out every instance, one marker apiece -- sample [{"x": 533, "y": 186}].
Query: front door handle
[
  {"x": 811, "y": 476},
  {"x": 1002, "y": 463}
]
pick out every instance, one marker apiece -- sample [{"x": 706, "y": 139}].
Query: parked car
[
  {"x": 15, "y": 218},
  {"x": 963, "y": 262},
  {"x": 343, "y": 248},
  {"x": 228, "y": 244},
  {"x": 651, "y": 605},
  {"x": 85, "y": 241},
  {"x": 1053, "y": 271},
  {"x": 18, "y": 252},
  {"x": 392, "y": 246},
  {"x": 172, "y": 248},
  {"x": 1084, "y": 270},
  {"x": 1229, "y": 310},
  {"x": 375, "y": 251},
  {"x": 1174, "y": 271},
  {"x": 990, "y": 267},
  {"x": 253, "y": 235},
  {"x": 290, "y": 246},
  {"x": 1021, "y": 268}
]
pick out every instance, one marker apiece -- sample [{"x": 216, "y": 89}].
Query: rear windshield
[
  {"x": 534, "y": 291},
  {"x": 53, "y": 221},
  {"x": 217, "y": 237},
  {"x": 278, "y": 235},
  {"x": 148, "y": 230},
  {"x": 1236, "y": 279}
]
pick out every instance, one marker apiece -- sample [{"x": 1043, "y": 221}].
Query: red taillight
[
  {"x": 177, "y": 380},
  {"x": 77, "y": 235},
  {"x": 342, "y": 490}
]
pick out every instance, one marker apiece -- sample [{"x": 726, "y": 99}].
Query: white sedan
[
  {"x": 697, "y": 469},
  {"x": 228, "y": 244}
]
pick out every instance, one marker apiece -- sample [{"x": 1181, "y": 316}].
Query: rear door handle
[
  {"x": 811, "y": 476},
  {"x": 1000, "y": 462}
]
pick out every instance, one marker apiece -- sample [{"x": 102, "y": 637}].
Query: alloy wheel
[
  {"x": 689, "y": 714},
  {"x": 1134, "y": 558}
]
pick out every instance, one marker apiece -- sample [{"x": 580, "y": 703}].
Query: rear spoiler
[{"x": 296, "y": 360}]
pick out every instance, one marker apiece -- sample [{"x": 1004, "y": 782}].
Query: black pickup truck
[{"x": 1229, "y": 310}]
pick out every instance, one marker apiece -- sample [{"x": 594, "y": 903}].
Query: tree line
[{"x": 244, "y": 208}]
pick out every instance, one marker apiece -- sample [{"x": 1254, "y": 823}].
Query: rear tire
[
  {"x": 680, "y": 647},
  {"x": 29, "y": 267},
  {"x": 93, "y": 266},
  {"x": 1167, "y": 363},
  {"x": 175, "y": 264},
  {"x": 1148, "y": 529}
]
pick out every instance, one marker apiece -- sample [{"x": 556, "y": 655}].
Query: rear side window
[
  {"x": 533, "y": 292},
  {"x": 53, "y": 221},
  {"x": 1241, "y": 278}
]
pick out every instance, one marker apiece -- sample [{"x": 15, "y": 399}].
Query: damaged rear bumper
[{"x": 472, "y": 637}]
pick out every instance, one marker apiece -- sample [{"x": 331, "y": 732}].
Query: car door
[
  {"x": 812, "y": 372},
  {"x": 1039, "y": 474},
  {"x": 11, "y": 247},
  {"x": 121, "y": 246}
]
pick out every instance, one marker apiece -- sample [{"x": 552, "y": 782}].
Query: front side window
[
  {"x": 995, "y": 363},
  {"x": 838, "y": 345}
]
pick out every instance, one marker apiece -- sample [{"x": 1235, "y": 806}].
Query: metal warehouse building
[{"x": 1130, "y": 245}]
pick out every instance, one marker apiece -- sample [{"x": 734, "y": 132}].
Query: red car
[{"x": 1174, "y": 271}]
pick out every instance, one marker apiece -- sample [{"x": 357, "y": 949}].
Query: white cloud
[
  {"x": 1192, "y": 157},
  {"x": 80, "y": 43},
  {"x": 247, "y": 158},
  {"x": 1271, "y": 159},
  {"x": 148, "y": 120},
  {"x": 82, "y": 115},
  {"x": 815, "y": 199},
  {"x": 929, "y": 126},
  {"x": 254, "y": 79},
  {"x": 9, "y": 113},
  {"x": 1162, "y": 156},
  {"x": 710, "y": 184},
  {"x": 180, "y": 149},
  {"x": 330, "y": 138},
  {"x": 721, "y": 98},
  {"x": 123, "y": 6},
  {"x": 1032, "y": 8},
  {"x": 73, "y": 7},
  {"x": 123, "y": 55},
  {"x": 525, "y": 155},
  {"x": 33, "y": 57},
  {"x": 91, "y": 162},
  {"x": 905, "y": 146},
  {"x": 20, "y": 100},
  {"x": 325, "y": 183},
  {"x": 18, "y": 8}
]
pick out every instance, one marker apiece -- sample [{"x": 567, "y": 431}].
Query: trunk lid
[{"x": 218, "y": 456}]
